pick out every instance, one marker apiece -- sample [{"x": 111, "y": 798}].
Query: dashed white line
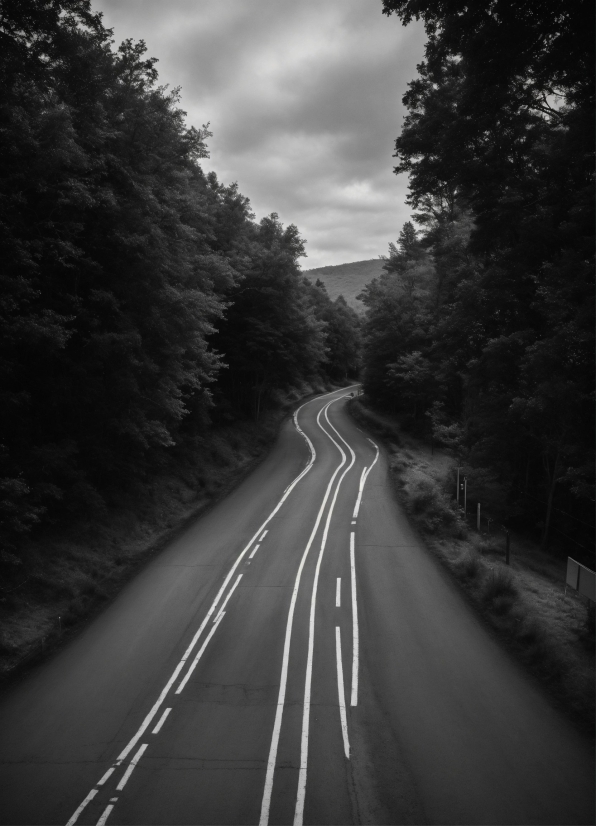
[
  {"x": 131, "y": 767},
  {"x": 360, "y": 489},
  {"x": 106, "y": 813},
  {"x": 108, "y": 774},
  {"x": 268, "y": 788},
  {"x": 338, "y": 593},
  {"x": 301, "y": 793},
  {"x": 355, "y": 637},
  {"x": 256, "y": 548},
  {"x": 341, "y": 693},
  {"x": 174, "y": 676},
  {"x": 162, "y": 720},
  {"x": 78, "y": 811},
  {"x": 200, "y": 654},
  {"x": 225, "y": 602},
  {"x": 263, "y": 535}
]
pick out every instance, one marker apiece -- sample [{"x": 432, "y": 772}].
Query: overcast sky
[{"x": 304, "y": 102}]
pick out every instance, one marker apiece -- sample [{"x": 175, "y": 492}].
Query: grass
[
  {"x": 70, "y": 572},
  {"x": 551, "y": 632},
  {"x": 347, "y": 279}
]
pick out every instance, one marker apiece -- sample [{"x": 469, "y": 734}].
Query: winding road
[{"x": 294, "y": 656}]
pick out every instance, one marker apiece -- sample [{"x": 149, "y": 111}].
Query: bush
[
  {"x": 427, "y": 503},
  {"x": 469, "y": 566},
  {"x": 499, "y": 584}
]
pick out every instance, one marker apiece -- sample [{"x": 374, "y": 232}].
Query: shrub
[
  {"x": 469, "y": 566},
  {"x": 427, "y": 503},
  {"x": 499, "y": 583}
]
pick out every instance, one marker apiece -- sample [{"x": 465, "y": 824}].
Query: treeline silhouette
[
  {"x": 481, "y": 330},
  {"x": 141, "y": 303}
]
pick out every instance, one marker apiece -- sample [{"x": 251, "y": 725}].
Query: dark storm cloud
[{"x": 304, "y": 100}]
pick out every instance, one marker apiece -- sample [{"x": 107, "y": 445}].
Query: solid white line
[
  {"x": 200, "y": 654},
  {"x": 301, "y": 793},
  {"x": 338, "y": 593},
  {"x": 359, "y": 499},
  {"x": 268, "y": 788},
  {"x": 355, "y": 636},
  {"x": 225, "y": 602},
  {"x": 144, "y": 725},
  {"x": 106, "y": 776},
  {"x": 148, "y": 719},
  {"x": 263, "y": 535},
  {"x": 256, "y": 548},
  {"x": 131, "y": 767},
  {"x": 162, "y": 720},
  {"x": 105, "y": 815},
  {"x": 341, "y": 693},
  {"x": 78, "y": 811}
]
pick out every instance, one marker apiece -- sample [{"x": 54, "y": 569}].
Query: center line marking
[
  {"x": 108, "y": 774},
  {"x": 225, "y": 602},
  {"x": 162, "y": 720},
  {"x": 301, "y": 793},
  {"x": 130, "y": 769},
  {"x": 338, "y": 593},
  {"x": 263, "y": 535},
  {"x": 355, "y": 638},
  {"x": 341, "y": 692},
  {"x": 268, "y": 788},
  {"x": 255, "y": 550},
  {"x": 105, "y": 815},
  {"x": 200, "y": 654}
]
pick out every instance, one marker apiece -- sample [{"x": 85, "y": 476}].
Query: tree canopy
[
  {"x": 483, "y": 322},
  {"x": 139, "y": 298}
]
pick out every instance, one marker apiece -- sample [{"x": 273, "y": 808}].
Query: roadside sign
[{"x": 581, "y": 579}]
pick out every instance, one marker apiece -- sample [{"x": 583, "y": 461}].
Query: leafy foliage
[
  {"x": 137, "y": 292},
  {"x": 482, "y": 328}
]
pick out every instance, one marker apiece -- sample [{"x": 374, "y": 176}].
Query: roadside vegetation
[
  {"x": 549, "y": 631},
  {"x": 152, "y": 328},
  {"x": 69, "y": 572}
]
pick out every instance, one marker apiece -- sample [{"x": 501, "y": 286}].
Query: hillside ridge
[{"x": 347, "y": 279}]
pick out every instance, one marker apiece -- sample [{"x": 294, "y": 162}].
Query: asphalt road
[{"x": 283, "y": 661}]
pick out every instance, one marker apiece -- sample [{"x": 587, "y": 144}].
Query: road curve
[{"x": 295, "y": 656}]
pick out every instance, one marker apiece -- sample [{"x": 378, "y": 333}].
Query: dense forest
[
  {"x": 480, "y": 332},
  {"x": 142, "y": 305}
]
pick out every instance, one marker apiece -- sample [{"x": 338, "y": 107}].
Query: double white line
[
  {"x": 267, "y": 792},
  {"x": 176, "y": 673}
]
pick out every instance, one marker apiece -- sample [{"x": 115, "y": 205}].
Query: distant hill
[{"x": 347, "y": 279}]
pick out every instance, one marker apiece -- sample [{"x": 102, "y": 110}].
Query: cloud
[{"x": 304, "y": 101}]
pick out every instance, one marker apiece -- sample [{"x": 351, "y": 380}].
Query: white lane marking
[
  {"x": 144, "y": 725},
  {"x": 148, "y": 719},
  {"x": 135, "y": 739},
  {"x": 78, "y": 811},
  {"x": 268, "y": 788},
  {"x": 353, "y": 521},
  {"x": 359, "y": 498},
  {"x": 263, "y": 535},
  {"x": 162, "y": 720},
  {"x": 355, "y": 635},
  {"x": 256, "y": 548},
  {"x": 131, "y": 767},
  {"x": 341, "y": 693},
  {"x": 338, "y": 593},
  {"x": 106, "y": 775},
  {"x": 105, "y": 815},
  {"x": 200, "y": 654},
  {"x": 225, "y": 602},
  {"x": 301, "y": 794}
]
